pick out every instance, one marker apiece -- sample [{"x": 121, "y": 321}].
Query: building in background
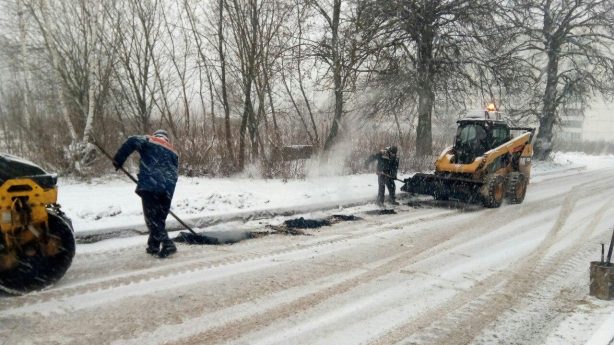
[
  {"x": 588, "y": 123},
  {"x": 572, "y": 124},
  {"x": 599, "y": 121}
]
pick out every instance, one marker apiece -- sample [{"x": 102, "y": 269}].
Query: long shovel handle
[
  {"x": 135, "y": 181},
  {"x": 104, "y": 152},
  {"x": 610, "y": 250},
  {"x": 182, "y": 223}
]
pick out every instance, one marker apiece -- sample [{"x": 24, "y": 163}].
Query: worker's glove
[{"x": 116, "y": 165}]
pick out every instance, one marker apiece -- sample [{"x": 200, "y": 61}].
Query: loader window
[
  {"x": 470, "y": 142},
  {"x": 471, "y": 135},
  {"x": 500, "y": 135}
]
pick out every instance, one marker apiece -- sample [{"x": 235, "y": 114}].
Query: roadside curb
[{"x": 200, "y": 222}]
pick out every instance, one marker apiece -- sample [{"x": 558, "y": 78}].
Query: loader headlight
[{"x": 5, "y": 217}]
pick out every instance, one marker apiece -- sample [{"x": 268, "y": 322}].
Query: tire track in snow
[
  {"x": 528, "y": 275},
  {"x": 193, "y": 264},
  {"x": 442, "y": 241},
  {"x": 558, "y": 288},
  {"x": 424, "y": 246},
  {"x": 298, "y": 328},
  {"x": 490, "y": 297}
]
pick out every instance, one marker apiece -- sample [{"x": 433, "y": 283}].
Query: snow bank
[
  {"x": 584, "y": 160},
  {"x": 112, "y": 203}
]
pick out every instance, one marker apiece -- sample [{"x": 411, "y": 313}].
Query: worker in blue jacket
[{"x": 156, "y": 184}]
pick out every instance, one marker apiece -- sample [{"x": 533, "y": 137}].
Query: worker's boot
[
  {"x": 153, "y": 246},
  {"x": 393, "y": 202},
  {"x": 168, "y": 248},
  {"x": 152, "y": 250}
]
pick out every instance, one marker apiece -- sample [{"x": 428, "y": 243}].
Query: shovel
[
  {"x": 188, "y": 237},
  {"x": 394, "y": 178}
]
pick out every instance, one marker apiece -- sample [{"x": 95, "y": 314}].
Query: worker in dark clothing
[
  {"x": 156, "y": 184},
  {"x": 387, "y": 166}
]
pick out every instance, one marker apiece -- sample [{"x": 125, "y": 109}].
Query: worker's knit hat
[{"x": 160, "y": 133}]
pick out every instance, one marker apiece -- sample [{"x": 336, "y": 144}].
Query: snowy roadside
[{"x": 109, "y": 205}]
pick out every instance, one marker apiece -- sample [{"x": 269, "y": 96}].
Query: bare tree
[
  {"x": 70, "y": 35},
  {"x": 331, "y": 53},
  {"x": 25, "y": 75},
  {"x": 223, "y": 81},
  {"x": 436, "y": 39},
  {"x": 346, "y": 46},
  {"x": 254, "y": 24},
  {"x": 291, "y": 70},
  {"x": 139, "y": 30},
  {"x": 567, "y": 48}
]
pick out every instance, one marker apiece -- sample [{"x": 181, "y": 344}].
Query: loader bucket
[{"x": 442, "y": 187}]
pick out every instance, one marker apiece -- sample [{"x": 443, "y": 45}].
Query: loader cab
[{"x": 476, "y": 136}]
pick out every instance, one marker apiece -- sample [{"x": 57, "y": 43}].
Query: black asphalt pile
[
  {"x": 344, "y": 218},
  {"x": 417, "y": 204},
  {"x": 383, "y": 211},
  {"x": 302, "y": 223},
  {"x": 289, "y": 227},
  {"x": 387, "y": 211},
  {"x": 213, "y": 237}
]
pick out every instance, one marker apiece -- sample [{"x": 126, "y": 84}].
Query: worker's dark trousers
[
  {"x": 383, "y": 182},
  {"x": 155, "y": 209}
]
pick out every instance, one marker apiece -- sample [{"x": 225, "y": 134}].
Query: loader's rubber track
[{"x": 36, "y": 272}]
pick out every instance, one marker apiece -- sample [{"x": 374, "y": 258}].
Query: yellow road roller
[{"x": 37, "y": 242}]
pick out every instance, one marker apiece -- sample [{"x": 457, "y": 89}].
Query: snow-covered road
[{"x": 433, "y": 273}]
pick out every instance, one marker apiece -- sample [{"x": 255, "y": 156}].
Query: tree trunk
[
  {"x": 426, "y": 96},
  {"x": 50, "y": 45},
  {"x": 300, "y": 79},
  {"x": 424, "y": 137},
  {"x": 223, "y": 82},
  {"x": 334, "y": 129},
  {"x": 242, "y": 131},
  {"x": 23, "y": 65},
  {"x": 251, "y": 122},
  {"x": 92, "y": 79},
  {"x": 543, "y": 141},
  {"x": 273, "y": 113},
  {"x": 88, "y": 151},
  {"x": 252, "y": 70},
  {"x": 337, "y": 78}
]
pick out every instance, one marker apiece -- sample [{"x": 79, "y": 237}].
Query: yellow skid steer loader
[{"x": 488, "y": 162}]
